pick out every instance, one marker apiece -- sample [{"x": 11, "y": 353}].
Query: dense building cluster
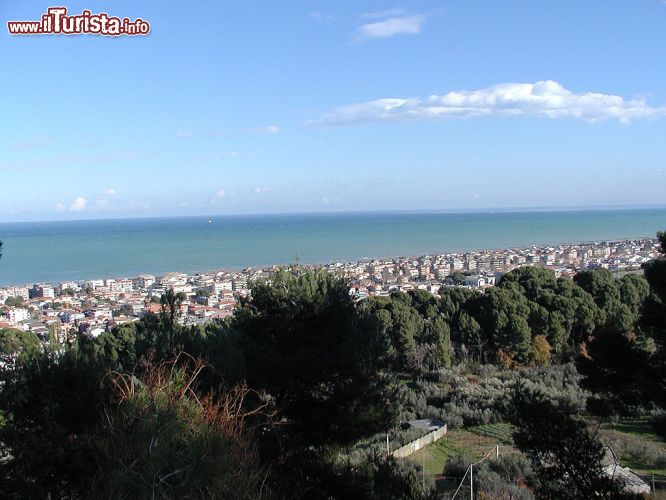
[
  {"x": 94, "y": 306},
  {"x": 480, "y": 269}
]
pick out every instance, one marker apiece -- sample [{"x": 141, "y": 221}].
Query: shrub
[
  {"x": 490, "y": 485},
  {"x": 513, "y": 468},
  {"x": 651, "y": 455},
  {"x": 500, "y": 478},
  {"x": 659, "y": 424},
  {"x": 468, "y": 401},
  {"x": 377, "y": 477},
  {"x": 457, "y": 466},
  {"x": 540, "y": 351},
  {"x": 162, "y": 439}
]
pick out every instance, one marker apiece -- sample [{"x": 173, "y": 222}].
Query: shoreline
[
  {"x": 357, "y": 261},
  {"x": 84, "y": 250}
]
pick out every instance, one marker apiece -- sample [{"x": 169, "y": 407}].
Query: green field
[
  {"x": 474, "y": 442},
  {"x": 639, "y": 427},
  {"x": 633, "y": 440},
  {"x": 638, "y": 447}
]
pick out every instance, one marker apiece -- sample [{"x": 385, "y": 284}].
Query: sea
[{"x": 51, "y": 252}]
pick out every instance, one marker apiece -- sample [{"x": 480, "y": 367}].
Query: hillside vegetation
[{"x": 293, "y": 395}]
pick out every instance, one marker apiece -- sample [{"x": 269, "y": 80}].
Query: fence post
[{"x": 497, "y": 451}]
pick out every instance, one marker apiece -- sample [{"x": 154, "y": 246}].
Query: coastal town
[{"x": 63, "y": 310}]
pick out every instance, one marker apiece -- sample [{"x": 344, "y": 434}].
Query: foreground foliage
[
  {"x": 162, "y": 439},
  {"x": 567, "y": 458},
  {"x": 292, "y": 396}
]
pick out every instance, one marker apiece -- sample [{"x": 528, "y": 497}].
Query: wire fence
[
  {"x": 467, "y": 485},
  {"x": 645, "y": 484}
]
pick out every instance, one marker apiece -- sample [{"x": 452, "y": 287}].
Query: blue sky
[{"x": 299, "y": 106}]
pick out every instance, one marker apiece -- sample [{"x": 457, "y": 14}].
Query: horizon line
[{"x": 489, "y": 209}]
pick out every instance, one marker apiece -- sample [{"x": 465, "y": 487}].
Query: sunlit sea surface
[{"x": 78, "y": 250}]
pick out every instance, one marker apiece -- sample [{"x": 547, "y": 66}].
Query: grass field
[
  {"x": 474, "y": 442},
  {"x": 633, "y": 440},
  {"x": 638, "y": 446},
  {"x": 639, "y": 427}
]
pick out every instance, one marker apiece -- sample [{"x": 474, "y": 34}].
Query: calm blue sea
[{"x": 77, "y": 250}]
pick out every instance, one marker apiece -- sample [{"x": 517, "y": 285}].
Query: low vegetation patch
[{"x": 638, "y": 446}]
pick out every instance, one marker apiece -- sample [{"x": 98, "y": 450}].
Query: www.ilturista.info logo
[{"x": 57, "y": 22}]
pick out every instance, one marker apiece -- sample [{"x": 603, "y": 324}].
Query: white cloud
[
  {"x": 60, "y": 207},
  {"x": 404, "y": 25},
  {"x": 78, "y": 204},
  {"x": 384, "y": 13},
  {"x": 110, "y": 191},
  {"x": 220, "y": 193},
  {"x": 262, "y": 189},
  {"x": 544, "y": 98}
]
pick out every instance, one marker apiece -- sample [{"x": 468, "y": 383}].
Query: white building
[
  {"x": 94, "y": 284},
  {"x": 71, "y": 285},
  {"x": 17, "y": 314},
  {"x": 145, "y": 280}
]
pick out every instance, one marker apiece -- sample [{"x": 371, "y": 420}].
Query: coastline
[
  {"x": 52, "y": 252},
  {"x": 104, "y": 302},
  {"x": 537, "y": 249}
]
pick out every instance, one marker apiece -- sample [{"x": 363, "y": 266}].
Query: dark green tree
[
  {"x": 653, "y": 320},
  {"x": 601, "y": 284},
  {"x": 531, "y": 281},
  {"x": 425, "y": 303},
  {"x": 14, "y": 301},
  {"x": 563, "y": 312},
  {"x": 567, "y": 458},
  {"x": 454, "y": 299},
  {"x": 171, "y": 303},
  {"x": 623, "y": 364},
  {"x": 503, "y": 314},
  {"x": 468, "y": 333},
  {"x": 401, "y": 325},
  {"x": 51, "y": 409},
  {"x": 457, "y": 277},
  {"x": 305, "y": 344},
  {"x": 123, "y": 310},
  {"x": 17, "y": 346},
  {"x": 634, "y": 289}
]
